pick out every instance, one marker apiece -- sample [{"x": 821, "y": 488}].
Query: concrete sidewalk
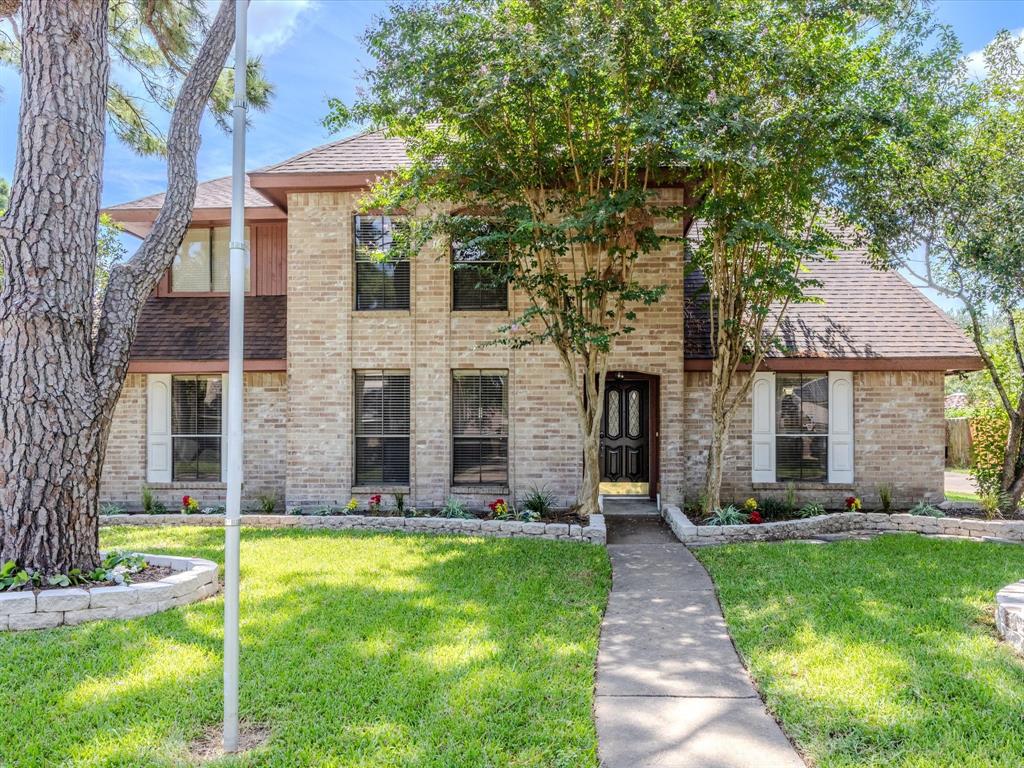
[{"x": 671, "y": 690}]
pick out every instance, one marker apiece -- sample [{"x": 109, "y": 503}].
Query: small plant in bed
[
  {"x": 540, "y": 501},
  {"x": 813, "y": 509},
  {"x": 729, "y": 515},
  {"x": 924, "y": 509},
  {"x": 455, "y": 509},
  {"x": 775, "y": 509},
  {"x": 117, "y": 568}
]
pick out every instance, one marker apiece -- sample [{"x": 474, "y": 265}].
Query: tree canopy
[{"x": 152, "y": 44}]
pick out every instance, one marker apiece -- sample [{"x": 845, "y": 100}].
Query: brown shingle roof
[
  {"x": 866, "y": 313},
  {"x": 209, "y": 194},
  {"x": 196, "y": 328},
  {"x": 364, "y": 152}
]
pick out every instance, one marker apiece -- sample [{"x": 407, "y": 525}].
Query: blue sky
[{"x": 311, "y": 50}]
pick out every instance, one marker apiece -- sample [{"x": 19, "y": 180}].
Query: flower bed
[
  {"x": 840, "y": 522},
  {"x": 593, "y": 532},
  {"x": 191, "y": 579}
]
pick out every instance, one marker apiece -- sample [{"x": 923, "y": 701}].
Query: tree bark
[{"x": 58, "y": 387}]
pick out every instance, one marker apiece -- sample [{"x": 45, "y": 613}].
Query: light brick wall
[
  {"x": 124, "y": 471},
  {"x": 899, "y": 440},
  {"x": 327, "y": 341}
]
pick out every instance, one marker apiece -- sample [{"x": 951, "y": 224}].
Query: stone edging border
[
  {"x": 594, "y": 533},
  {"x": 1010, "y": 614},
  {"x": 193, "y": 579},
  {"x": 840, "y": 522}
]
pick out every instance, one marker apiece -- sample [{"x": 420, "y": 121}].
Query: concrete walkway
[{"x": 671, "y": 691}]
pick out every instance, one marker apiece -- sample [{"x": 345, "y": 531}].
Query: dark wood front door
[{"x": 625, "y": 432}]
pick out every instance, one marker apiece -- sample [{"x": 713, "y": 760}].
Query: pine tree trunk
[
  {"x": 62, "y": 368},
  {"x": 50, "y": 441}
]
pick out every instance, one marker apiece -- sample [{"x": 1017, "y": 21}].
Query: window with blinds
[
  {"x": 801, "y": 426},
  {"x": 479, "y": 280},
  {"x": 381, "y": 282},
  {"x": 382, "y": 428},
  {"x": 196, "y": 427},
  {"x": 479, "y": 427},
  {"x": 202, "y": 263}
]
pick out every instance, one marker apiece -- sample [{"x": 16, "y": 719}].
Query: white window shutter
[
  {"x": 762, "y": 420},
  {"x": 158, "y": 428},
  {"x": 840, "y": 427},
  {"x": 223, "y": 427}
]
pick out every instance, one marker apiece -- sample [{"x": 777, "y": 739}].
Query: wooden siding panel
[{"x": 270, "y": 253}]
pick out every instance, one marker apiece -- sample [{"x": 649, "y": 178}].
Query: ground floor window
[
  {"x": 196, "y": 408},
  {"x": 382, "y": 427},
  {"x": 479, "y": 427},
  {"x": 801, "y": 427}
]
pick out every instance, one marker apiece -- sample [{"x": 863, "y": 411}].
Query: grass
[
  {"x": 958, "y": 496},
  {"x": 880, "y": 653},
  {"x": 358, "y": 650}
]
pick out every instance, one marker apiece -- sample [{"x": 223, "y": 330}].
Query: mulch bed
[{"x": 151, "y": 573}]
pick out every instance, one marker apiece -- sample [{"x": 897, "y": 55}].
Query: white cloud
[
  {"x": 273, "y": 22},
  {"x": 975, "y": 60}
]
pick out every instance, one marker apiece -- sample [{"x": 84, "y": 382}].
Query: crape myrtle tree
[
  {"x": 963, "y": 197},
  {"x": 63, "y": 362},
  {"x": 801, "y": 94},
  {"x": 538, "y": 132}
]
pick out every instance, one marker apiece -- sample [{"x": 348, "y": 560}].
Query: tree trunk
[
  {"x": 716, "y": 457},
  {"x": 50, "y": 450},
  {"x": 591, "y": 489},
  {"x": 59, "y": 381}
]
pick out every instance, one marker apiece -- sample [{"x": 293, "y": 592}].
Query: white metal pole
[{"x": 234, "y": 393}]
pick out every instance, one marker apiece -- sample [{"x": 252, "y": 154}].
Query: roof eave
[
  {"x": 275, "y": 186},
  {"x": 943, "y": 363},
  {"x": 138, "y": 221}
]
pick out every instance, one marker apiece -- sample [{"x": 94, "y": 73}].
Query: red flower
[
  {"x": 375, "y": 499},
  {"x": 186, "y": 500},
  {"x": 495, "y": 504},
  {"x": 755, "y": 517}
]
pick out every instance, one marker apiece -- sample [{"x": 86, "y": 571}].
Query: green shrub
[
  {"x": 539, "y": 500},
  {"x": 992, "y": 504},
  {"x": 885, "y": 497},
  {"x": 727, "y": 516},
  {"x": 774, "y": 509},
  {"x": 790, "y": 498},
  {"x": 399, "y": 502},
  {"x": 150, "y": 504},
  {"x": 453, "y": 508},
  {"x": 924, "y": 509},
  {"x": 989, "y": 430},
  {"x": 266, "y": 503},
  {"x": 111, "y": 509},
  {"x": 813, "y": 509}
]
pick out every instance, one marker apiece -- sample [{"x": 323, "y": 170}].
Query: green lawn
[
  {"x": 882, "y": 652},
  {"x": 358, "y": 650}
]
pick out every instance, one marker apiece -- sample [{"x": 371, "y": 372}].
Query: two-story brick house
[{"x": 364, "y": 377}]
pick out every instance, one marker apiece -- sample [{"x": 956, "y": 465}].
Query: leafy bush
[
  {"x": 399, "y": 502},
  {"x": 774, "y": 509},
  {"x": 453, "y": 508},
  {"x": 294, "y": 511},
  {"x": 150, "y": 504},
  {"x": 727, "y": 516},
  {"x": 118, "y": 567},
  {"x": 989, "y": 430},
  {"x": 320, "y": 511},
  {"x": 111, "y": 509},
  {"x": 267, "y": 502},
  {"x": 12, "y": 577},
  {"x": 540, "y": 501},
  {"x": 885, "y": 497},
  {"x": 992, "y": 504},
  {"x": 695, "y": 507},
  {"x": 812, "y": 509},
  {"x": 924, "y": 509},
  {"x": 528, "y": 515}
]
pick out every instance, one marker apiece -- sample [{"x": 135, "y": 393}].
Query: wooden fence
[{"x": 958, "y": 442}]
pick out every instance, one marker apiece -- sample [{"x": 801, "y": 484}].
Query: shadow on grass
[
  {"x": 358, "y": 649},
  {"x": 880, "y": 653}
]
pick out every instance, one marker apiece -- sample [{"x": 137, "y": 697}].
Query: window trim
[
  {"x": 452, "y": 436},
  {"x": 358, "y": 482},
  {"x": 453, "y": 261},
  {"x": 356, "y": 260},
  {"x": 250, "y": 241}
]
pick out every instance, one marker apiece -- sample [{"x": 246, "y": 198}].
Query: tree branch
[{"x": 131, "y": 283}]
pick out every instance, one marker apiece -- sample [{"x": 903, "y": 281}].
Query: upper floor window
[
  {"x": 381, "y": 282},
  {"x": 801, "y": 426},
  {"x": 478, "y": 280},
  {"x": 201, "y": 265}
]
